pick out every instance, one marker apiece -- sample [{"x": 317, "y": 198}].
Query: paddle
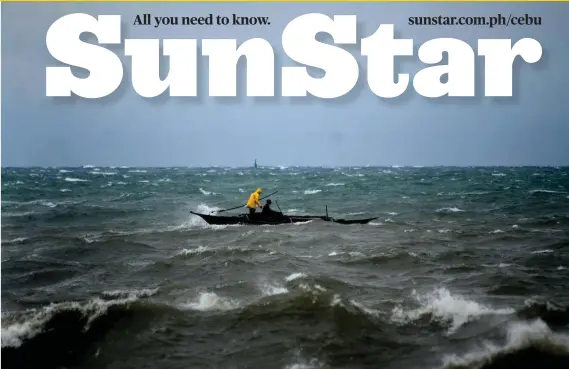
[{"x": 240, "y": 206}]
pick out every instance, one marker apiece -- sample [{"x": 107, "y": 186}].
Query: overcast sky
[{"x": 126, "y": 129}]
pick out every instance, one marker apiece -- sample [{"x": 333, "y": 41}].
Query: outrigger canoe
[{"x": 259, "y": 219}]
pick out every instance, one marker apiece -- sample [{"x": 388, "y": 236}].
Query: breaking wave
[{"x": 63, "y": 334}]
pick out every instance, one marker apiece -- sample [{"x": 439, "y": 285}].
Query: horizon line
[{"x": 281, "y": 166}]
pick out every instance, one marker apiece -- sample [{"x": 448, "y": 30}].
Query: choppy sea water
[{"x": 106, "y": 268}]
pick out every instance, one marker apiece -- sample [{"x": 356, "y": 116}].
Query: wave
[
  {"x": 527, "y": 337},
  {"x": 15, "y": 241},
  {"x": 311, "y": 192},
  {"x": 442, "y": 307},
  {"x": 207, "y": 193},
  {"x": 55, "y": 212},
  {"x": 452, "y": 209},
  {"x": 99, "y": 173},
  {"x": 533, "y": 192},
  {"x": 356, "y": 258},
  {"x": 72, "y": 179},
  {"x": 210, "y": 301},
  {"x": 60, "y": 334},
  {"x": 205, "y": 251},
  {"x": 528, "y": 345}
]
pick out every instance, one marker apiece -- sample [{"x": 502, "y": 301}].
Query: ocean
[{"x": 105, "y": 267}]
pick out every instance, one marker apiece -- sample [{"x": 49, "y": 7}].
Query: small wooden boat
[{"x": 259, "y": 219}]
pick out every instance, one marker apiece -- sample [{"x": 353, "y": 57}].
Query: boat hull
[{"x": 263, "y": 220}]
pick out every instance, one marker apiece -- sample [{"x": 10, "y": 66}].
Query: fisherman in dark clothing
[{"x": 268, "y": 212}]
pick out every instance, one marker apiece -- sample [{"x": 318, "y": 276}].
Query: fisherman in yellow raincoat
[{"x": 254, "y": 201}]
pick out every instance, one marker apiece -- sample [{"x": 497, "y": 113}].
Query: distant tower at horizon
[{"x": 255, "y": 163}]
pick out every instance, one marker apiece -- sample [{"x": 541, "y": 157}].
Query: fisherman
[
  {"x": 254, "y": 201},
  {"x": 267, "y": 211}
]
